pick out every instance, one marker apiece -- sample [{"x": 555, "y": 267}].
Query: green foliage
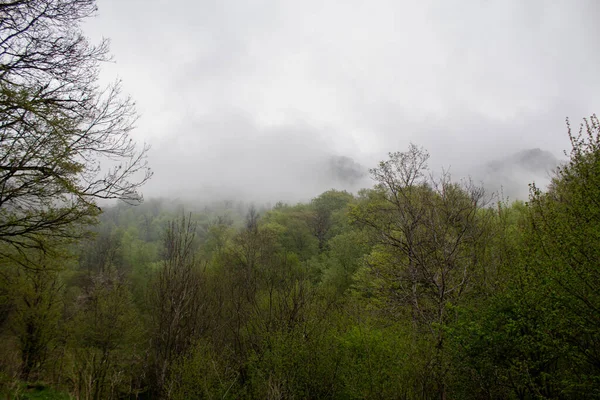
[
  {"x": 509, "y": 350},
  {"x": 381, "y": 362},
  {"x": 105, "y": 344},
  {"x": 415, "y": 289},
  {"x": 59, "y": 127},
  {"x": 205, "y": 374},
  {"x": 38, "y": 392},
  {"x": 563, "y": 238},
  {"x": 296, "y": 234},
  {"x": 538, "y": 336},
  {"x": 33, "y": 294},
  {"x": 345, "y": 256}
]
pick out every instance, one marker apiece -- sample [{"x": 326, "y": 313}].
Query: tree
[
  {"x": 426, "y": 229},
  {"x": 296, "y": 234},
  {"x": 563, "y": 242},
  {"x": 64, "y": 141},
  {"x": 429, "y": 235},
  {"x": 36, "y": 299},
  {"x": 105, "y": 338},
  {"x": 540, "y": 336},
  {"x": 325, "y": 205},
  {"x": 177, "y": 306}
]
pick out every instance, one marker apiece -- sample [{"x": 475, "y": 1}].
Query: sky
[{"x": 253, "y": 98}]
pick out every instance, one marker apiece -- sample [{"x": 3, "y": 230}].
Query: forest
[{"x": 419, "y": 287}]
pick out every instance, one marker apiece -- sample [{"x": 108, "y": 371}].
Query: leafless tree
[{"x": 178, "y": 305}]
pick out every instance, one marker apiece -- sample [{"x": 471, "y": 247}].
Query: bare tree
[
  {"x": 178, "y": 305},
  {"x": 430, "y": 234},
  {"x": 64, "y": 141}
]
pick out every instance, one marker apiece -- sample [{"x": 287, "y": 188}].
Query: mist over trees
[{"x": 419, "y": 287}]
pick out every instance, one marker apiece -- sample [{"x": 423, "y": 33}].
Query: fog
[{"x": 272, "y": 100}]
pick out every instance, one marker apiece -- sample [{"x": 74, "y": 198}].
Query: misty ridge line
[
  {"x": 507, "y": 177},
  {"x": 259, "y": 98}
]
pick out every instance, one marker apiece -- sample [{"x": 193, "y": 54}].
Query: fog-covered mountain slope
[{"x": 511, "y": 175}]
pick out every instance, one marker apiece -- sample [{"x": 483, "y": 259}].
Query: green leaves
[
  {"x": 59, "y": 130},
  {"x": 539, "y": 336}
]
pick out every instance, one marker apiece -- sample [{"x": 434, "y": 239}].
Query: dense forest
[{"x": 420, "y": 287}]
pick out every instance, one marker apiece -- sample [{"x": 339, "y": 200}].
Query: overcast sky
[{"x": 253, "y": 96}]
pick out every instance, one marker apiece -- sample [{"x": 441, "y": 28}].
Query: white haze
[{"x": 252, "y": 98}]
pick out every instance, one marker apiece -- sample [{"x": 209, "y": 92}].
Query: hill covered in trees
[
  {"x": 418, "y": 287},
  {"x": 510, "y": 175}
]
